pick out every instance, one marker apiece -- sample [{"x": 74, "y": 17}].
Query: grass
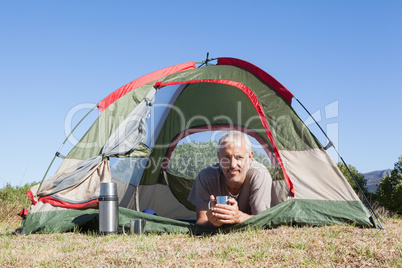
[
  {"x": 327, "y": 246},
  {"x": 12, "y": 200}
]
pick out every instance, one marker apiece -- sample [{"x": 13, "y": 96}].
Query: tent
[{"x": 141, "y": 124}]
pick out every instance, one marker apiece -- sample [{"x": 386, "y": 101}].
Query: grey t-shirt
[{"x": 256, "y": 195}]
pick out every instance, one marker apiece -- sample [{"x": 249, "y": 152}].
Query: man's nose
[{"x": 233, "y": 162}]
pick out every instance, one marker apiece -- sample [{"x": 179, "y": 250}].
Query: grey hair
[{"x": 235, "y": 136}]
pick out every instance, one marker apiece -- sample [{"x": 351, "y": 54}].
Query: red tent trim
[
  {"x": 115, "y": 95},
  {"x": 253, "y": 98},
  {"x": 264, "y": 76},
  {"x": 59, "y": 203},
  {"x": 31, "y": 197},
  {"x": 23, "y": 213}
]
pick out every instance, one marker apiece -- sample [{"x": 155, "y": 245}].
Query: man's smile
[{"x": 234, "y": 171}]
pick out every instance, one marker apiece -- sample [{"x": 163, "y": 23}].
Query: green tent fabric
[
  {"x": 139, "y": 127},
  {"x": 290, "y": 212}
]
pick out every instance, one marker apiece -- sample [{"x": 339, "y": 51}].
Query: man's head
[{"x": 234, "y": 154}]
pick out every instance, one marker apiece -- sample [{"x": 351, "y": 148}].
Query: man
[{"x": 237, "y": 175}]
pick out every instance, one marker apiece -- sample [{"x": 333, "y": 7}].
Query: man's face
[{"x": 234, "y": 160}]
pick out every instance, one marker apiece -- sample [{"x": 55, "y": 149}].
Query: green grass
[
  {"x": 12, "y": 194},
  {"x": 327, "y": 246},
  {"x": 280, "y": 247},
  {"x": 13, "y": 199}
]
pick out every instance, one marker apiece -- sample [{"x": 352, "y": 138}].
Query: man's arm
[
  {"x": 263, "y": 195},
  {"x": 205, "y": 217},
  {"x": 202, "y": 217}
]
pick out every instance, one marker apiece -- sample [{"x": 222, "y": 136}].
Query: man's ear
[{"x": 250, "y": 155}]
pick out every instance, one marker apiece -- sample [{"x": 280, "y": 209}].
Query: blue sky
[{"x": 341, "y": 59}]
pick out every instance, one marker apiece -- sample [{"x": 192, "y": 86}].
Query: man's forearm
[
  {"x": 202, "y": 218},
  {"x": 243, "y": 216}
]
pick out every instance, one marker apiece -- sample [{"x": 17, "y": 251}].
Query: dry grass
[{"x": 329, "y": 246}]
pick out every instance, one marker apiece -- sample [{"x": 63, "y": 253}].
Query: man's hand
[{"x": 225, "y": 214}]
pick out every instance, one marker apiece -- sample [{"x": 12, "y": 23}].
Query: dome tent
[{"x": 144, "y": 120}]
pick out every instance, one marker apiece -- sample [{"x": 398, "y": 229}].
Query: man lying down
[{"x": 246, "y": 184}]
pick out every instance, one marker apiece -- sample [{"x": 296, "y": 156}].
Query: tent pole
[
  {"x": 206, "y": 61},
  {"x": 62, "y": 145},
  {"x": 381, "y": 227},
  {"x": 331, "y": 143}
]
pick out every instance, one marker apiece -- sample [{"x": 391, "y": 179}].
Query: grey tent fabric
[
  {"x": 82, "y": 172},
  {"x": 119, "y": 144},
  {"x": 131, "y": 131}
]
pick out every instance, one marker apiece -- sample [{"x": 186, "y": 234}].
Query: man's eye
[{"x": 239, "y": 157}]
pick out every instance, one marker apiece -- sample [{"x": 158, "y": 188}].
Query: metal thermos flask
[{"x": 108, "y": 208}]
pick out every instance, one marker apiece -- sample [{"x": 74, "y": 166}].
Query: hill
[{"x": 374, "y": 177}]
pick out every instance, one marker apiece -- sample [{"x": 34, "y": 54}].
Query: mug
[
  {"x": 220, "y": 199},
  {"x": 136, "y": 227}
]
